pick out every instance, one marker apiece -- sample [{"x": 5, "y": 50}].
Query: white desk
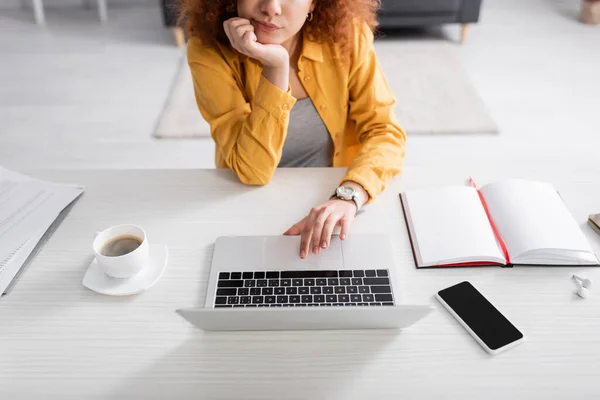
[{"x": 59, "y": 340}]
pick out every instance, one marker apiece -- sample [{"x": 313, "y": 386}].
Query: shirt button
[
  {"x": 323, "y": 107},
  {"x": 285, "y": 106},
  {"x": 307, "y": 78},
  {"x": 337, "y": 153}
]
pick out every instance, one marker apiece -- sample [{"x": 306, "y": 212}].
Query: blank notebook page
[{"x": 450, "y": 225}]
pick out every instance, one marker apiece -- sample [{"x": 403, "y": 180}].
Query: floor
[{"x": 80, "y": 95}]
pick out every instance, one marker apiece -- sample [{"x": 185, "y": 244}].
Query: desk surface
[{"x": 60, "y": 340}]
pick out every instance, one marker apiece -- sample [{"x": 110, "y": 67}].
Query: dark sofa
[{"x": 405, "y": 13}]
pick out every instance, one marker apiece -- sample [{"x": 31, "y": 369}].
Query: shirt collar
[{"x": 310, "y": 49}]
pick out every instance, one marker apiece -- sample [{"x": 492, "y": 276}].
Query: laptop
[{"x": 261, "y": 283}]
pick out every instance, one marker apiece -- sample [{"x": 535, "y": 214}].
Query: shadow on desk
[{"x": 261, "y": 365}]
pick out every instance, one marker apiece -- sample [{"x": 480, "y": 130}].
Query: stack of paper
[{"x": 28, "y": 209}]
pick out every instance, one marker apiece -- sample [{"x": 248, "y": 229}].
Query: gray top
[{"x": 308, "y": 143}]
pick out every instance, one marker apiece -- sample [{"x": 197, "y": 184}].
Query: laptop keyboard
[{"x": 304, "y": 288}]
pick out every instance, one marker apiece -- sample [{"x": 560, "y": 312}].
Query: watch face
[{"x": 346, "y": 191}]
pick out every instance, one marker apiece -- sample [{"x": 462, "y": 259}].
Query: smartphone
[{"x": 480, "y": 318}]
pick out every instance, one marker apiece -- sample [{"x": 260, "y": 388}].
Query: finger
[
  {"x": 318, "y": 228},
  {"x": 296, "y": 229},
  {"x": 346, "y": 222},
  {"x": 330, "y": 223},
  {"x": 248, "y": 43},
  {"x": 307, "y": 233}
]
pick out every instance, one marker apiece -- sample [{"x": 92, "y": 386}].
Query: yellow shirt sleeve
[
  {"x": 248, "y": 134},
  {"x": 371, "y": 107}
]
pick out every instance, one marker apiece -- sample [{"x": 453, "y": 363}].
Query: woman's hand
[
  {"x": 242, "y": 37},
  {"x": 318, "y": 226}
]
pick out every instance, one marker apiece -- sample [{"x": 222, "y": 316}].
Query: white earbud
[{"x": 586, "y": 284}]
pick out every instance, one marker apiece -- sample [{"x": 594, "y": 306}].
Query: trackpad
[{"x": 283, "y": 253}]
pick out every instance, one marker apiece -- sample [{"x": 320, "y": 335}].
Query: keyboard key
[
  {"x": 236, "y": 283},
  {"x": 257, "y": 299},
  {"x": 345, "y": 274},
  {"x": 321, "y": 282},
  {"x": 337, "y": 304},
  {"x": 267, "y": 290},
  {"x": 309, "y": 282},
  {"x": 363, "y": 289},
  {"x": 303, "y": 290},
  {"x": 273, "y": 282},
  {"x": 223, "y": 305},
  {"x": 294, "y": 299},
  {"x": 357, "y": 281},
  {"x": 362, "y": 304},
  {"x": 368, "y": 297},
  {"x": 250, "y": 305},
  {"x": 221, "y": 300},
  {"x": 325, "y": 304},
  {"x": 382, "y": 272},
  {"x": 279, "y": 290},
  {"x": 313, "y": 305},
  {"x": 359, "y": 273},
  {"x": 370, "y": 273},
  {"x": 340, "y": 289},
  {"x": 345, "y": 281},
  {"x": 333, "y": 282},
  {"x": 273, "y": 275},
  {"x": 263, "y": 305},
  {"x": 356, "y": 298},
  {"x": 243, "y": 291},
  {"x": 291, "y": 290},
  {"x": 236, "y": 275},
  {"x": 300, "y": 305},
  {"x": 250, "y": 283},
  {"x": 245, "y": 300},
  {"x": 233, "y": 300},
  {"x": 254, "y": 291},
  {"x": 288, "y": 305},
  {"x": 247, "y": 275},
  {"x": 315, "y": 290},
  {"x": 376, "y": 281},
  {"x": 227, "y": 292},
  {"x": 238, "y": 305},
  {"x": 261, "y": 282},
  {"x": 224, "y": 275},
  {"x": 327, "y": 290},
  {"x": 297, "y": 282},
  {"x": 351, "y": 304},
  {"x": 259, "y": 275},
  {"x": 276, "y": 305},
  {"x": 384, "y": 297},
  {"x": 270, "y": 299},
  {"x": 308, "y": 274},
  {"x": 381, "y": 289},
  {"x": 282, "y": 299},
  {"x": 387, "y": 303},
  {"x": 343, "y": 298},
  {"x": 306, "y": 299},
  {"x": 374, "y": 304},
  {"x": 319, "y": 298},
  {"x": 286, "y": 282},
  {"x": 352, "y": 289},
  {"x": 331, "y": 298}
]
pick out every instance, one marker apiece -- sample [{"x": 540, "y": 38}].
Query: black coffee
[{"x": 121, "y": 245}]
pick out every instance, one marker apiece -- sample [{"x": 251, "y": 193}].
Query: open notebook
[{"x": 512, "y": 222}]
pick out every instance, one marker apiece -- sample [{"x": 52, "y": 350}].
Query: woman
[{"x": 296, "y": 83}]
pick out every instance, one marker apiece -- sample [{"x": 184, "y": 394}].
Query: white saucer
[{"x": 98, "y": 281}]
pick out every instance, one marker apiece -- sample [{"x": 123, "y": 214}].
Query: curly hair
[{"x": 332, "y": 20}]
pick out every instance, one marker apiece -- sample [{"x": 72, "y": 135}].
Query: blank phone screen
[{"x": 480, "y": 315}]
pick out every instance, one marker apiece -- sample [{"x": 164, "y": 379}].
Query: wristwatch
[{"x": 349, "y": 193}]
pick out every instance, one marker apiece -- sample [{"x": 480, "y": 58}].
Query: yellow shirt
[{"x": 249, "y": 116}]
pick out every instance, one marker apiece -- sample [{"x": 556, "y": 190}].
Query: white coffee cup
[{"x": 126, "y": 265}]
